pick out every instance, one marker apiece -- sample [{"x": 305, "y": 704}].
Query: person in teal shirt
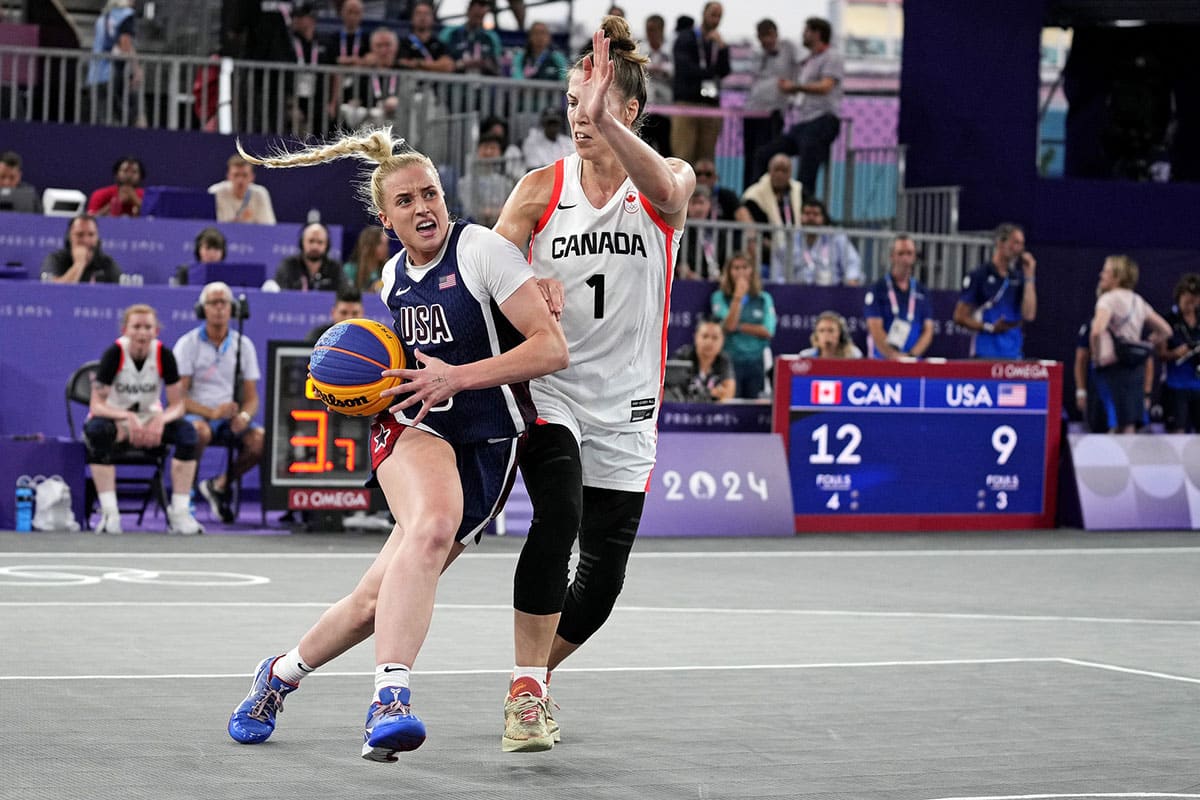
[
  {"x": 747, "y": 315},
  {"x": 538, "y": 60}
]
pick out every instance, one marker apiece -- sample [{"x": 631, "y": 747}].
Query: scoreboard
[
  {"x": 316, "y": 460},
  {"x": 929, "y": 445}
]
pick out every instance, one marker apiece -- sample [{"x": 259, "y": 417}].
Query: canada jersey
[
  {"x": 138, "y": 388},
  {"x": 450, "y": 309},
  {"x": 615, "y": 264}
]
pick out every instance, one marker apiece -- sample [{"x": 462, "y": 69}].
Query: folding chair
[{"x": 136, "y": 491}]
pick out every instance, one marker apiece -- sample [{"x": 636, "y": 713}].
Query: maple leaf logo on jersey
[{"x": 632, "y": 206}]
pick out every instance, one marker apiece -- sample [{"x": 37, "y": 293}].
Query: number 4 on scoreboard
[{"x": 834, "y": 503}]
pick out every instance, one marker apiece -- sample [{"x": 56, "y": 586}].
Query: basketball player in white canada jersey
[{"x": 602, "y": 228}]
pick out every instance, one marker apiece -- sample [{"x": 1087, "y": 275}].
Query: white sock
[
  {"x": 291, "y": 667},
  {"x": 540, "y": 674},
  {"x": 108, "y": 502},
  {"x": 180, "y": 502},
  {"x": 390, "y": 674}
]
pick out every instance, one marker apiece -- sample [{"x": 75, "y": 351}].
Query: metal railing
[
  {"x": 785, "y": 255},
  {"x": 429, "y": 109},
  {"x": 194, "y": 93},
  {"x": 929, "y": 209}
]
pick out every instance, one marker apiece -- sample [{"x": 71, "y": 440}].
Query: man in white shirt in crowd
[
  {"x": 211, "y": 358},
  {"x": 547, "y": 143},
  {"x": 239, "y": 198}
]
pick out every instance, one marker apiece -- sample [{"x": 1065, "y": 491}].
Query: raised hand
[{"x": 598, "y": 72}]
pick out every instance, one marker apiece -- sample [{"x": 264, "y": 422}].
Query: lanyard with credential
[
  {"x": 352, "y": 50},
  {"x": 709, "y": 55},
  {"x": 530, "y": 71},
  {"x": 300, "y": 51},
  {"x": 996, "y": 299},
  {"x": 420, "y": 46},
  {"x": 912, "y": 298},
  {"x": 377, "y": 87}
]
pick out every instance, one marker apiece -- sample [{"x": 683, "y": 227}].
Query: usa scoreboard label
[{"x": 912, "y": 446}]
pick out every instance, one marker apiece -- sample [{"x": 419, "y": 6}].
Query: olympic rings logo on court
[{"x": 83, "y": 575}]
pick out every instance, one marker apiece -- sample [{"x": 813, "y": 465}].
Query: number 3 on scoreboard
[{"x": 848, "y": 454}]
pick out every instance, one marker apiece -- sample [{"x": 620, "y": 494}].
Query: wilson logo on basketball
[{"x": 340, "y": 402}]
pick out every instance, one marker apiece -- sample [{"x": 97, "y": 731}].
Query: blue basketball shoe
[
  {"x": 254, "y": 720},
  {"x": 391, "y": 726}
]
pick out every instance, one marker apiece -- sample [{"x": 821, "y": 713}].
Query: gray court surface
[{"x": 1031, "y": 665}]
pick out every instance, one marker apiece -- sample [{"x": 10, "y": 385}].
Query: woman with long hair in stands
[{"x": 364, "y": 270}]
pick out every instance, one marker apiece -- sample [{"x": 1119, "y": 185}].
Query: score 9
[{"x": 1004, "y": 442}]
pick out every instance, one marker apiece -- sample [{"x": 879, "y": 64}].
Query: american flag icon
[
  {"x": 1011, "y": 395},
  {"x": 448, "y": 281}
]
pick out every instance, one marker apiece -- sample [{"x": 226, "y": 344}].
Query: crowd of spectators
[{"x": 687, "y": 69}]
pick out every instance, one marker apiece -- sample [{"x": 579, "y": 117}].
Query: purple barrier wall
[
  {"x": 49, "y": 330},
  {"x": 152, "y": 248}
]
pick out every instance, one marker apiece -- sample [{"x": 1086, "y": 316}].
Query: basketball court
[{"x": 867, "y": 667}]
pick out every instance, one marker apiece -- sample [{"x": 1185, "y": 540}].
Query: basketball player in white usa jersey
[{"x": 602, "y": 229}]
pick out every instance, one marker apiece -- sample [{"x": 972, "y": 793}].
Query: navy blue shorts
[{"x": 486, "y": 471}]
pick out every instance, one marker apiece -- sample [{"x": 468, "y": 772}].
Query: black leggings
[
  {"x": 606, "y": 521},
  {"x": 610, "y": 523}
]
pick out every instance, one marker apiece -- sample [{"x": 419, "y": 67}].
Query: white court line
[
  {"x": 1128, "y": 670},
  {"x": 683, "y": 668},
  {"x": 797, "y": 612},
  {"x": 455, "y": 672},
  {"x": 1028, "y": 551},
  {"x": 1072, "y": 796}
]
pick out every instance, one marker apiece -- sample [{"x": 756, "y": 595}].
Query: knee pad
[
  {"x": 553, "y": 476},
  {"x": 606, "y": 536},
  {"x": 100, "y": 438},
  {"x": 183, "y": 434}
]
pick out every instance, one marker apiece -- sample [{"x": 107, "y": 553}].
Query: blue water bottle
[{"x": 24, "y": 520}]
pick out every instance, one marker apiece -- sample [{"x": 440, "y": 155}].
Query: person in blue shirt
[
  {"x": 897, "y": 308},
  {"x": 747, "y": 315},
  {"x": 999, "y": 296},
  {"x": 1181, "y": 400},
  {"x": 1092, "y": 398}
]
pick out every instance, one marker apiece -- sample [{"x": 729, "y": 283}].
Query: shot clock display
[
  {"x": 877, "y": 445},
  {"x": 316, "y": 459}
]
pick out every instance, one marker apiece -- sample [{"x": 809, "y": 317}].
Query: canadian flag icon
[{"x": 826, "y": 393}]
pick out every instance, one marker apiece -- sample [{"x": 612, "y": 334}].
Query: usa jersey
[
  {"x": 450, "y": 309},
  {"x": 615, "y": 264},
  {"x": 137, "y": 388}
]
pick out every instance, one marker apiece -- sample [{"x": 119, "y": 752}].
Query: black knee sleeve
[
  {"x": 99, "y": 438},
  {"x": 553, "y": 476},
  {"x": 183, "y": 434},
  {"x": 606, "y": 535}
]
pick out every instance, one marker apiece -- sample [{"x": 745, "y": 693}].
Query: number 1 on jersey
[{"x": 597, "y": 283}]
